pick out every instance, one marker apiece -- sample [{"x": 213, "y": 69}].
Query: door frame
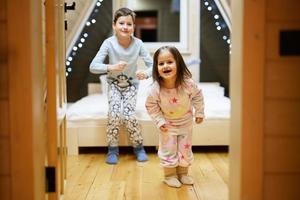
[
  {"x": 26, "y": 99},
  {"x": 247, "y": 99}
]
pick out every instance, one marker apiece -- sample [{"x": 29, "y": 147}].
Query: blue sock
[
  {"x": 112, "y": 155},
  {"x": 140, "y": 153}
]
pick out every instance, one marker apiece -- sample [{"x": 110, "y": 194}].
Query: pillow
[{"x": 103, "y": 82}]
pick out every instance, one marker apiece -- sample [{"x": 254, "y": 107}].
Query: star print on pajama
[{"x": 176, "y": 150}]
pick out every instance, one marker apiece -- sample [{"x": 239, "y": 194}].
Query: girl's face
[
  {"x": 166, "y": 65},
  {"x": 124, "y": 26}
]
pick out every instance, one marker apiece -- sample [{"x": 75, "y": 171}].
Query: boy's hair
[
  {"x": 182, "y": 71},
  {"x": 123, "y": 12}
]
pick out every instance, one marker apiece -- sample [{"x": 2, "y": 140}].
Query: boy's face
[
  {"x": 166, "y": 65},
  {"x": 124, "y": 26}
]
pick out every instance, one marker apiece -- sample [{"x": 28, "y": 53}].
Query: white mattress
[{"x": 95, "y": 106}]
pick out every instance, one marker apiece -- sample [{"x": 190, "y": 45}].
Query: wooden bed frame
[{"x": 93, "y": 134}]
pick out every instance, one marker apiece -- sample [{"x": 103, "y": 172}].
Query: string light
[
  {"x": 219, "y": 22},
  {"x": 83, "y": 38}
]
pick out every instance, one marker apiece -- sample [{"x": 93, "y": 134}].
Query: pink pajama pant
[{"x": 175, "y": 147}]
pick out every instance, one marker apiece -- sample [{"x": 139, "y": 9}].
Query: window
[{"x": 160, "y": 22}]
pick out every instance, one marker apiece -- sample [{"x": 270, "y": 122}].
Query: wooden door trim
[
  {"x": 26, "y": 103},
  {"x": 247, "y": 89}
]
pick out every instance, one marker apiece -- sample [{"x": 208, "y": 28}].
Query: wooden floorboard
[{"x": 90, "y": 178}]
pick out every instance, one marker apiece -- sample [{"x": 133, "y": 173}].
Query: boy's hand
[
  {"x": 141, "y": 75},
  {"x": 163, "y": 128},
  {"x": 199, "y": 120},
  {"x": 120, "y": 66}
]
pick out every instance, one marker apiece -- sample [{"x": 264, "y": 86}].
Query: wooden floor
[{"x": 89, "y": 178}]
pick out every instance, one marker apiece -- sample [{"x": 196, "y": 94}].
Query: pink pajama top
[{"x": 175, "y": 107}]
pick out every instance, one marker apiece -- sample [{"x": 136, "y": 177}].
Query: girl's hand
[
  {"x": 199, "y": 120},
  {"x": 120, "y": 66},
  {"x": 141, "y": 75},
  {"x": 163, "y": 128}
]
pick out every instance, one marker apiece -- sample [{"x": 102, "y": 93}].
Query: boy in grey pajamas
[{"x": 123, "y": 51}]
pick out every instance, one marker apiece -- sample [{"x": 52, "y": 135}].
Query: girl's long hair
[{"x": 182, "y": 71}]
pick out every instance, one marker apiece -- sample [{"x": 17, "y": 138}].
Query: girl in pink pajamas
[{"x": 173, "y": 101}]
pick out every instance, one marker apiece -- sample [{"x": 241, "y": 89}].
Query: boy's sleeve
[
  {"x": 153, "y": 109},
  {"x": 145, "y": 55},
  {"x": 97, "y": 66},
  {"x": 197, "y": 100}
]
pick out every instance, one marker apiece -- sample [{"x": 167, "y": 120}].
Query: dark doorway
[
  {"x": 146, "y": 25},
  {"x": 149, "y": 35}
]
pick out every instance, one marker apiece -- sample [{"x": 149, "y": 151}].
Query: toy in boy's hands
[
  {"x": 141, "y": 75},
  {"x": 199, "y": 120}
]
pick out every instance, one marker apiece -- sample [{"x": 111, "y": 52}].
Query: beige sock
[
  {"x": 182, "y": 173},
  {"x": 182, "y": 170},
  {"x": 171, "y": 178},
  {"x": 170, "y": 172}
]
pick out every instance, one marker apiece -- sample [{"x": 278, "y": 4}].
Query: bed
[{"x": 87, "y": 118}]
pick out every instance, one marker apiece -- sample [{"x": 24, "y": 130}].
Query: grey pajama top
[{"x": 115, "y": 52}]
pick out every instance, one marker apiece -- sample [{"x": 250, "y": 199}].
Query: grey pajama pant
[{"x": 122, "y": 103}]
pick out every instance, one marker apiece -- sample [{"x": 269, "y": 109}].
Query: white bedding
[{"x": 95, "y": 106}]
